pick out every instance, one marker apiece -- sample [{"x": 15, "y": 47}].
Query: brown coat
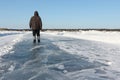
[{"x": 35, "y": 22}]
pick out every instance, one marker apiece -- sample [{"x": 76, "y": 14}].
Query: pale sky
[{"x": 61, "y": 13}]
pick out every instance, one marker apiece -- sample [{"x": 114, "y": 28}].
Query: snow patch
[
  {"x": 11, "y": 68},
  {"x": 102, "y": 36},
  {"x": 8, "y": 41},
  {"x": 60, "y": 66}
]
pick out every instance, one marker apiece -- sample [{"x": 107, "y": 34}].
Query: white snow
[
  {"x": 111, "y": 39},
  {"x": 11, "y": 68},
  {"x": 60, "y": 66},
  {"x": 8, "y": 40},
  {"x": 102, "y": 36},
  {"x": 101, "y": 46}
]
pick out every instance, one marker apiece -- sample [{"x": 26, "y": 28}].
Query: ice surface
[
  {"x": 60, "y": 56},
  {"x": 98, "y": 46}
]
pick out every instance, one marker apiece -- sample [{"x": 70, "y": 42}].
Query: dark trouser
[{"x": 36, "y": 33}]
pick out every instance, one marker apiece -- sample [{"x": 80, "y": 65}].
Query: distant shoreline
[{"x": 5, "y": 29}]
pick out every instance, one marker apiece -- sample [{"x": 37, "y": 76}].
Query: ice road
[{"x": 60, "y": 58}]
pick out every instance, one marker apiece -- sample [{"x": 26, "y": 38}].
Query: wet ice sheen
[{"x": 51, "y": 60}]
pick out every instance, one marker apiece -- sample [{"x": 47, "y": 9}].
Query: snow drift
[{"x": 102, "y": 36}]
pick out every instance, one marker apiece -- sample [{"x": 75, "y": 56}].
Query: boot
[
  {"x": 38, "y": 40},
  {"x": 34, "y": 40},
  {"x": 38, "y": 37}
]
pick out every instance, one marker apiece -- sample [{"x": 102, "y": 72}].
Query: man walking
[{"x": 36, "y": 25}]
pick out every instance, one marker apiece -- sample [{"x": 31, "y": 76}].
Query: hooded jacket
[{"x": 35, "y": 22}]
